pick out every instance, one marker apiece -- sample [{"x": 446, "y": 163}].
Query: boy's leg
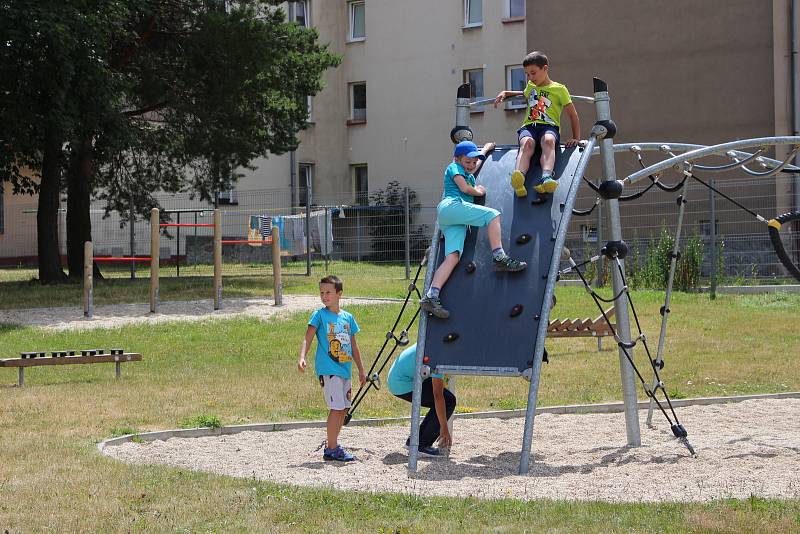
[
  {"x": 549, "y": 141},
  {"x": 430, "y": 302},
  {"x": 500, "y": 260},
  {"x": 527, "y": 145},
  {"x": 337, "y": 396},
  {"x": 334, "y": 426}
]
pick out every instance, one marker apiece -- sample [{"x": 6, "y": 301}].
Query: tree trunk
[
  {"x": 47, "y": 214},
  {"x": 79, "y": 200}
]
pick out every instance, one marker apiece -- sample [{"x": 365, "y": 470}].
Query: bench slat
[{"x": 68, "y": 360}]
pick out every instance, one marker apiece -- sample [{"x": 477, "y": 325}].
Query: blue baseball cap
[{"x": 469, "y": 149}]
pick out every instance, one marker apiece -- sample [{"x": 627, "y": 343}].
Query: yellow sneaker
[
  {"x": 518, "y": 183},
  {"x": 547, "y": 185}
]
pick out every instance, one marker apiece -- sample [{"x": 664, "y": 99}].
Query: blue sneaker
[{"x": 337, "y": 454}]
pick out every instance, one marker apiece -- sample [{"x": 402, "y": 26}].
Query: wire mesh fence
[{"x": 386, "y": 235}]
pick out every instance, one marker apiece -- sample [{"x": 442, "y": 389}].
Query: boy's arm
[
  {"x": 575, "y": 123},
  {"x": 505, "y": 95},
  {"x": 467, "y": 189},
  {"x": 301, "y": 361},
  {"x": 445, "y": 440},
  {"x": 362, "y": 378},
  {"x": 485, "y": 150}
]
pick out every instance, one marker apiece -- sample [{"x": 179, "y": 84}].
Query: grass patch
[
  {"x": 201, "y": 421},
  {"x": 243, "y": 371}
]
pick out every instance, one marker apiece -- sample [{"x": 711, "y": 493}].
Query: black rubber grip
[{"x": 777, "y": 243}]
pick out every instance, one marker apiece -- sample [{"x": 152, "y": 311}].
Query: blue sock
[
  {"x": 433, "y": 292},
  {"x": 498, "y": 253}
]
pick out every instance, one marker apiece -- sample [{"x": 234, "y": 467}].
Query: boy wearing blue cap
[
  {"x": 546, "y": 99},
  {"x": 455, "y": 212}
]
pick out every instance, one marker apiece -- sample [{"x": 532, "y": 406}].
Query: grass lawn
[{"x": 242, "y": 370}]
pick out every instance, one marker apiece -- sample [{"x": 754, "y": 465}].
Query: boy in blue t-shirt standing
[
  {"x": 455, "y": 212},
  {"x": 336, "y": 331}
]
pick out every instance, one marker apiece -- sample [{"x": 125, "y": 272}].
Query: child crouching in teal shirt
[
  {"x": 455, "y": 212},
  {"x": 336, "y": 331}
]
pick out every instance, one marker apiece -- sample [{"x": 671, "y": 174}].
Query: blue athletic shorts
[
  {"x": 537, "y": 131},
  {"x": 454, "y": 217}
]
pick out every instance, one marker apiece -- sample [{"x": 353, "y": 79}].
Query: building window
[
  {"x": 310, "y": 108},
  {"x": 589, "y": 233},
  {"x": 474, "y": 77},
  {"x": 358, "y": 30},
  {"x": 360, "y": 184},
  {"x": 473, "y": 13},
  {"x": 299, "y": 13},
  {"x": 306, "y": 183},
  {"x": 229, "y": 198},
  {"x": 515, "y": 8},
  {"x": 515, "y": 81},
  {"x": 358, "y": 102}
]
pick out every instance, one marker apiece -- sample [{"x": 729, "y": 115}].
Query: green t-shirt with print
[{"x": 545, "y": 103}]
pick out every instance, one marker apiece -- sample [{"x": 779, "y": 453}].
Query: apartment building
[{"x": 386, "y": 112}]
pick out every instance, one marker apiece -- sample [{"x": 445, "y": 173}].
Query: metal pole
[
  {"x": 714, "y": 260},
  {"x": 601, "y": 263},
  {"x": 88, "y": 280},
  {"x": 194, "y": 258},
  {"x": 154, "y": 259},
  {"x": 668, "y": 298},
  {"x": 358, "y": 234},
  {"x": 416, "y": 397},
  {"x": 217, "y": 259},
  {"x": 544, "y": 317},
  {"x": 408, "y": 233},
  {"x": 325, "y": 246},
  {"x": 602, "y": 102}
]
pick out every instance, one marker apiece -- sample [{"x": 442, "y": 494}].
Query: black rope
[
  {"x": 655, "y": 180},
  {"x": 723, "y": 195},
  {"x": 390, "y": 336},
  {"x": 585, "y": 213},
  {"x": 659, "y": 385},
  {"x": 641, "y": 193}
]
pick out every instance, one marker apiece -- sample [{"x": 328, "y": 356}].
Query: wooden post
[
  {"x": 88, "y": 280},
  {"x": 154, "y": 258},
  {"x": 276, "y": 265},
  {"x": 217, "y": 259}
]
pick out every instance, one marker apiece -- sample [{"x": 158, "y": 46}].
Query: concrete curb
[{"x": 613, "y": 407}]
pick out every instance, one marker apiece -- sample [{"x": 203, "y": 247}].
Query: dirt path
[
  {"x": 743, "y": 449},
  {"x": 110, "y": 316}
]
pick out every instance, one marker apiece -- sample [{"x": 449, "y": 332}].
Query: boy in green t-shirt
[{"x": 546, "y": 99}]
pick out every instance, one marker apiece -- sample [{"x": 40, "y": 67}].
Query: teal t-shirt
[
  {"x": 401, "y": 376},
  {"x": 451, "y": 189},
  {"x": 334, "y": 354}
]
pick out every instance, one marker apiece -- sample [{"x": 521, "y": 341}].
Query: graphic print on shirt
[
  {"x": 339, "y": 342},
  {"x": 539, "y": 103}
]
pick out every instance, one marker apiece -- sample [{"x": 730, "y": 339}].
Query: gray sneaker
[
  {"x": 434, "y": 305},
  {"x": 506, "y": 263}
]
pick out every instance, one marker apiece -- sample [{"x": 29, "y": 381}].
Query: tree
[{"x": 164, "y": 96}]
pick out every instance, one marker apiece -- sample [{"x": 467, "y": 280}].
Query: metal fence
[{"x": 335, "y": 235}]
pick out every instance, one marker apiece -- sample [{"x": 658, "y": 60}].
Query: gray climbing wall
[{"x": 493, "y": 316}]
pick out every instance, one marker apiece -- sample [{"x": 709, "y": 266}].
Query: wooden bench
[
  {"x": 597, "y": 327},
  {"x": 70, "y": 357}
]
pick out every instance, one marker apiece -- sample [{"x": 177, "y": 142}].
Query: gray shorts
[{"x": 337, "y": 391}]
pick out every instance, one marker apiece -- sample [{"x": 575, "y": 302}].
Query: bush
[
  {"x": 388, "y": 224},
  {"x": 652, "y": 270}
]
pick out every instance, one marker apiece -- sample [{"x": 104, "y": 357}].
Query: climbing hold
[
  {"x": 449, "y": 338},
  {"x": 610, "y": 189},
  {"x": 523, "y": 239},
  {"x": 425, "y": 359},
  {"x": 516, "y": 310},
  {"x": 538, "y": 200},
  {"x": 536, "y": 317},
  {"x": 615, "y": 249},
  {"x": 470, "y": 268}
]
